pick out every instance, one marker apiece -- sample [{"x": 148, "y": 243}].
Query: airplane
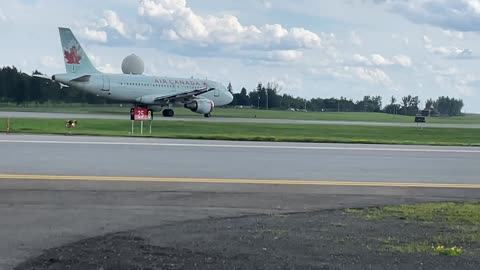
[{"x": 152, "y": 92}]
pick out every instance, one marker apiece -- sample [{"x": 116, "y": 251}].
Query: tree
[
  {"x": 273, "y": 99},
  {"x": 448, "y": 106},
  {"x": 241, "y": 98},
  {"x": 392, "y": 108},
  {"x": 413, "y": 105},
  {"x": 405, "y": 101},
  {"x": 429, "y": 104},
  {"x": 393, "y": 100}
]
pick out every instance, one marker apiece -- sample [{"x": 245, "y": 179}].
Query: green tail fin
[{"x": 76, "y": 60}]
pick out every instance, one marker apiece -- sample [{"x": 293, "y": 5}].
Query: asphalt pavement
[
  {"x": 228, "y": 120},
  {"x": 141, "y": 157},
  {"x": 55, "y": 190}
]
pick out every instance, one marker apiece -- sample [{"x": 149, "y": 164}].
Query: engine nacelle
[{"x": 202, "y": 106}]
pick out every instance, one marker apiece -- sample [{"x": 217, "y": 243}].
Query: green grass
[
  {"x": 460, "y": 223},
  {"x": 412, "y": 248},
  {"x": 451, "y": 213},
  {"x": 257, "y": 131},
  {"x": 248, "y": 113}
]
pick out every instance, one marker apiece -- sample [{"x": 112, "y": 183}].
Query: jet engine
[{"x": 202, "y": 106}]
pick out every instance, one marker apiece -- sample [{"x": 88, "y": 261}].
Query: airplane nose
[{"x": 229, "y": 97}]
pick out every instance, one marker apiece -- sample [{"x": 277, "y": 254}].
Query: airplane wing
[
  {"x": 184, "y": 95},
  {"x": 180, "y": 96}
]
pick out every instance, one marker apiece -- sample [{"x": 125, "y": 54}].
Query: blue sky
[{"x": 311, "y": 48}]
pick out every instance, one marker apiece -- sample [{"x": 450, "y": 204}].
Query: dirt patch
[{"x": 315, "y": 240}]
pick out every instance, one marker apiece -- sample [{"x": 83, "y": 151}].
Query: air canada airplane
[{"x": 156, "y": 93}]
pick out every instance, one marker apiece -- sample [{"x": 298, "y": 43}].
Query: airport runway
[
  {"x": 59, "y": 189},
  {"x": 229, "y": 120},
  {"x": 168, "y": 158}
]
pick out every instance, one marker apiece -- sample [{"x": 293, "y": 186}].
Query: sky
[{"x": 310, "y": 48}]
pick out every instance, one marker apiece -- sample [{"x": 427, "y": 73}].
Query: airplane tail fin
[{"x": 76, "y": 59}]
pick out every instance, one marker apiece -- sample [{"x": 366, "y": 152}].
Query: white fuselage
[{"x": 141, "y": 89}]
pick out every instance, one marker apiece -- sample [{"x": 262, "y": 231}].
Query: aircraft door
[
  {"x": 106, "y": 83},
  {"x": 216, "y": 92}
]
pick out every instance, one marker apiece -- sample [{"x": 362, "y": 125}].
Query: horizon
[{"x": 349, "y": 48}]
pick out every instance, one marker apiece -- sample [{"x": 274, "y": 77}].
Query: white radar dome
[{"x": 133, "y": 64}]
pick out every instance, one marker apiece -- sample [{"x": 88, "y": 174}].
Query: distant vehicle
[{"x": 152, "y": 92}]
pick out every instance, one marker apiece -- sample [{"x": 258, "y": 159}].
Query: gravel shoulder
[{"x": 332, "y": 239}]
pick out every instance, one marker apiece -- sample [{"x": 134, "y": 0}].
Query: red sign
[{"x": 141, "y": 114}]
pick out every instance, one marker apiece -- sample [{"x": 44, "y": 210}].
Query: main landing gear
[
  {"x": 168, "y": 113},
  {"x": 207, "y": 115}
]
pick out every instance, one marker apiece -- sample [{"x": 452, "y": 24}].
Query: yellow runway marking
[{"x": 236, "y": 181}]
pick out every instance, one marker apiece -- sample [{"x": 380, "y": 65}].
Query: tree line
[
  {"x": 269, "y": 97},
  {"x": 20, "y": 88}
]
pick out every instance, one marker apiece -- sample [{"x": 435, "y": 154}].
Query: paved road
[
  {"x": 231, "y": 120},
  {"x": 45, "y": 212},
  {"x": 104, "y": 156}
]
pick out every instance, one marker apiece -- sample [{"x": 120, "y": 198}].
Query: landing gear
[
  {"x": 207, "y": 115},
  {"x": 168, "y": 113}
]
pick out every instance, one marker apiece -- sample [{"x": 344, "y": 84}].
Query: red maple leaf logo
[{"x": 72, "y": 56}]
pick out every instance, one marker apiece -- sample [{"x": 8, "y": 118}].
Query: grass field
[
  {"x": 251, "y": 113},
  {"x": 256, "y": 132},
  {"x": 459, "y": 222}
]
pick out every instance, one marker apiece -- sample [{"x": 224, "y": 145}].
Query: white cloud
[
  {"x": 473, "y": 5},
  {"x": 453, "y": 34},
  {"x": 95, "y": 35},
  {"x": 449, "y": 52},
  {"x": 355, "y": 38},
  {"x": 183, "y": 64},
  {"x": 287, "y": 55},
  {"x": 427, "y": 40},
  {"x": 108, "y": 68},
  {"x": 360, "y": 59},
  {"x": 50, "y": 62},
  {"x": 267, "y": 3},
  {"x": 372, "y": 75},
  {"x": 3, "y": 17},
  {"x": 460, "y": 15},
  {"x": 402, "y": 60},
  {"x": 175, "y": 21},
  {"x": 96, "y": 61},
  {"x": 113, "y": 21},
  {"x": 379, "y": 60}
]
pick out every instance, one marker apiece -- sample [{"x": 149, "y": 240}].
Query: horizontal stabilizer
[
  {"x": 84, "y": 78},
  {"x": 41, "y": 76}
]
